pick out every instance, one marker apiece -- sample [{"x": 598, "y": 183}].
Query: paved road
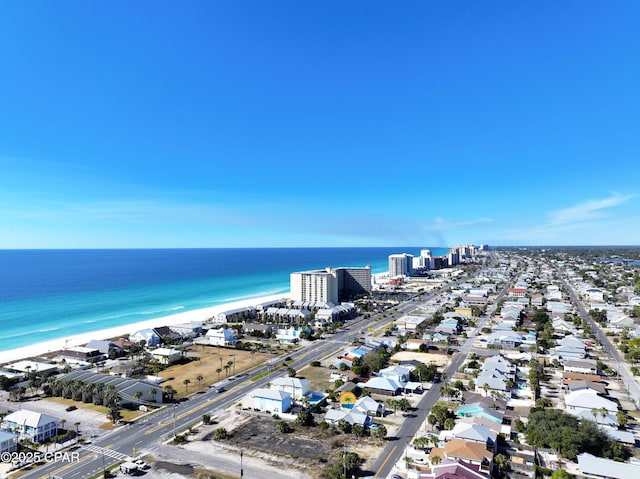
[
  {"x": 395, "y": 449},
  {"x": 621, "y": 365}
]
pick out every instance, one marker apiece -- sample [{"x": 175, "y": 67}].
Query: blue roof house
[{"x": 271, "y": 400}]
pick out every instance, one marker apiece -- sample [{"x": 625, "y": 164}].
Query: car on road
[
  {"x": 220, "y": 390},
  {"x": 71, "y": 408}
]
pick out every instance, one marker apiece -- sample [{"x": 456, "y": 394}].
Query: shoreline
[{"x": 59, "y": 344}]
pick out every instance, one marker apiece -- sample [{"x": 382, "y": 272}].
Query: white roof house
[
  {"x": 166, "y": 355},
  {"x": 399, "y": 373},
  {"x": 588, "y": 399},
  {"x": 470, "y": 432},
  {"x": 352, "y": 416},
  {"x": 383, "y": 385},
  {"x": 35, "y": 426},
  {"x": 599, "y": 467},
  {"x": 221, "y": 337},
  {"x": 296, "y": 387}
]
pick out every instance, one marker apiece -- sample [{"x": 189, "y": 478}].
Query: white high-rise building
[
  {"x": 330, "y": 285},
  {"x": 426, "y": 260},
  {"x": 315, "y": 286},
  {"x": 400, "y": 264}
]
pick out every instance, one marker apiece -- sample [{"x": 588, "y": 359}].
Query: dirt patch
[
  {"x": 262, "y": 434},
  {"x": 183, "y": 469}
]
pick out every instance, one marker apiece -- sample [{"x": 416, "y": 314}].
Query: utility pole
[{"x": 344, "y": 459}]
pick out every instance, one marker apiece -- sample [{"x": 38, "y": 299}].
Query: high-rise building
[
  {"x": 400, "y": 265},
  {"x": 330, "y": 285},
  {"x": 353, "y": 282}
]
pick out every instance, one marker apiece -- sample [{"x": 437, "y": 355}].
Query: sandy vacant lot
[{"x": 205, "y": 361}]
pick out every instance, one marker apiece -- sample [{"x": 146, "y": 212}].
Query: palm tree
[
  {"x": 137, "y": 395},
  {"x": 432, "y": 420},
  {"x": 435, "y": 460},
  {"x": 199, "y": 377},
  {"x": 604, "y": 413},
  {"x": 226, "y": 369},
  {"x": 595, "y": 413},
  {"x": 153, "y": 392},
  {"x": 186, "y": 383},
  {"x": 485, "y": 387},
  {"x": 170, "y": 392},
  {"x": 219, "y": 370}
]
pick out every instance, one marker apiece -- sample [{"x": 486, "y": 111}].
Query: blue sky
[{"x": 266, "y": 123}]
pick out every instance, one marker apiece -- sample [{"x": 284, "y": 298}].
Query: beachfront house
[
  {"x": 107, "y": 348},
  {"x": 148, "y": 335},
  {"x": 32, "y": 426},
  {"x": 221, "y": 337}
]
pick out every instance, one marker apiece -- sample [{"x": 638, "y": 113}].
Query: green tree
[
  {"x": 561, "y": 474},
  {"x": 305, "y": 418},
  {"x": 283, "y": 427},
  {"x": 380, "y": 432}
]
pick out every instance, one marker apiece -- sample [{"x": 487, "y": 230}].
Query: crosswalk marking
[{"x": 107, "y": 452}]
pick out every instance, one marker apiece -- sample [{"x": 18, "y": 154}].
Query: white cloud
[{"x": 589, "y": 210}]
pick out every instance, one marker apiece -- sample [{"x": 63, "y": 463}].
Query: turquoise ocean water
[{"x": 53, "y": 294}]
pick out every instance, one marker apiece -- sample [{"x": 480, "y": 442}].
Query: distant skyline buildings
[{"x": 404, "y": 264}]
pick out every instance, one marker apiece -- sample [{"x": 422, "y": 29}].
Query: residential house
[
  {"x": 479, "y": 409},
  {"x": 271, "y": 400},
  {"x": 585, "y": 366},
  {"x": 471, "y": 432},
  {"x": 221, "y": 337},
  {"x": 569, "y": 347},
  {"x": 368, "y": 406},
  {"x": 148, "y": 335},
  {"x": 593, "y": 466},
  {"x": 397, "y": 373},
  {"x": 452, "y": 470},
  {"x": 166, "y": 356},
  {"x": 474, "y": 453},
  {"x": 383, "y": 386},
  {"x": 106, "y": 348},
  {"x": 296, "y": 387},
  {"x": 288, "y": 335},
  {"x": 187, "y": 330},
  {"x": 33, "y": 426},
  {"x": 352, "y": 416},
  {"x": 588, "y": 400},
  {"x": 413, "y": 344},
  {"x": 8, "y": 442}
]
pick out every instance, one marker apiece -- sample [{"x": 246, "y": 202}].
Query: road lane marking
[{"x": 386, "y": 460}]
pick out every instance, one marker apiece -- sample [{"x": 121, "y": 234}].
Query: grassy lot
[
  {"x": 127, "y": 415},
  {"x": 206, "y": 363},
  {"x": 318, "y": 376}
]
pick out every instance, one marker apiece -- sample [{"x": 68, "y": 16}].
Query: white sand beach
[{"x": 126, "y": 329}]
